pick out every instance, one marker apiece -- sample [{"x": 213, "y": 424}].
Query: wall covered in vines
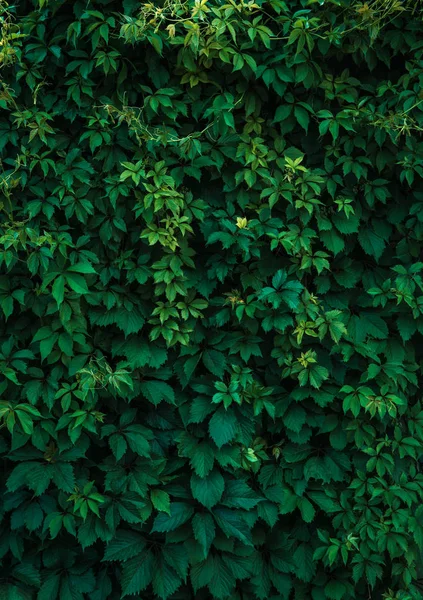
[{"x": 211, "y": 300}]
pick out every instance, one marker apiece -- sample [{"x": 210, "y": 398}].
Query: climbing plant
[{"x": 211, "y": 296}]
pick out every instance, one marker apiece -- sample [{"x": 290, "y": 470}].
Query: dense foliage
[{"x": 211, "y": 300}]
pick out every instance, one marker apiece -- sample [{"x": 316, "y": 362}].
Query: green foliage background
[{"x": 211, "y": 300}]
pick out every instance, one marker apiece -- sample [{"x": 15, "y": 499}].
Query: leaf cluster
[{"x": 211, "y": 300}]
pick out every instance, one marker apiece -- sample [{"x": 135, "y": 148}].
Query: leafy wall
[{"x": 211, "y": 300}]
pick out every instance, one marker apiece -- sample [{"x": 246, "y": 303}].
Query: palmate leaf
[{"x": 211, "y": 297}]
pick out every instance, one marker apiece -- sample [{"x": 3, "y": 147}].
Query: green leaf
[
  {"x": 305, "y": 567},
  {"x": 161, "y": 500},
  {"x": 125, "y": 545},
  {"x": 77, "y": 283},
  {"x": 233, "y": 525},
  {"x": 180, "y": 513},
  {"x": 118, "y": 445},
  {"x": 58, "y": 289},
  {"x": 215, "y": 362},
  {"x": 324, "y": 502},
  {"x": 239, "y": 495},
  {"x": 202, "y": 459},
  {"x": 335, "y": 590},
  {"x": 307, "y": 511},
  {"x": 371, "y": 242},
  {"x": 165, "y": 580},
  {"x": 63, "y": 476},
  {"x": 222, "y": 427},
  {"x": 211, "y": 284},
  {"x": 268, "y": 512},
  {"x": 208, "y": 490},
  {"x": 157, "y": 391},
  {"x": 222, "y": 581},
  {"x": 302, "y": 117},
  {"x": 282, "y": 112},
  {"x": 82, "y": 267},
  {"x": 137, "y": 573},
  {"x": 204, "y": 530},
  {"x": 33, "y": 516}
]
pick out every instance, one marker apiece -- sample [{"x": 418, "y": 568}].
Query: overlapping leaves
[{"x": 211, "y": 300}]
